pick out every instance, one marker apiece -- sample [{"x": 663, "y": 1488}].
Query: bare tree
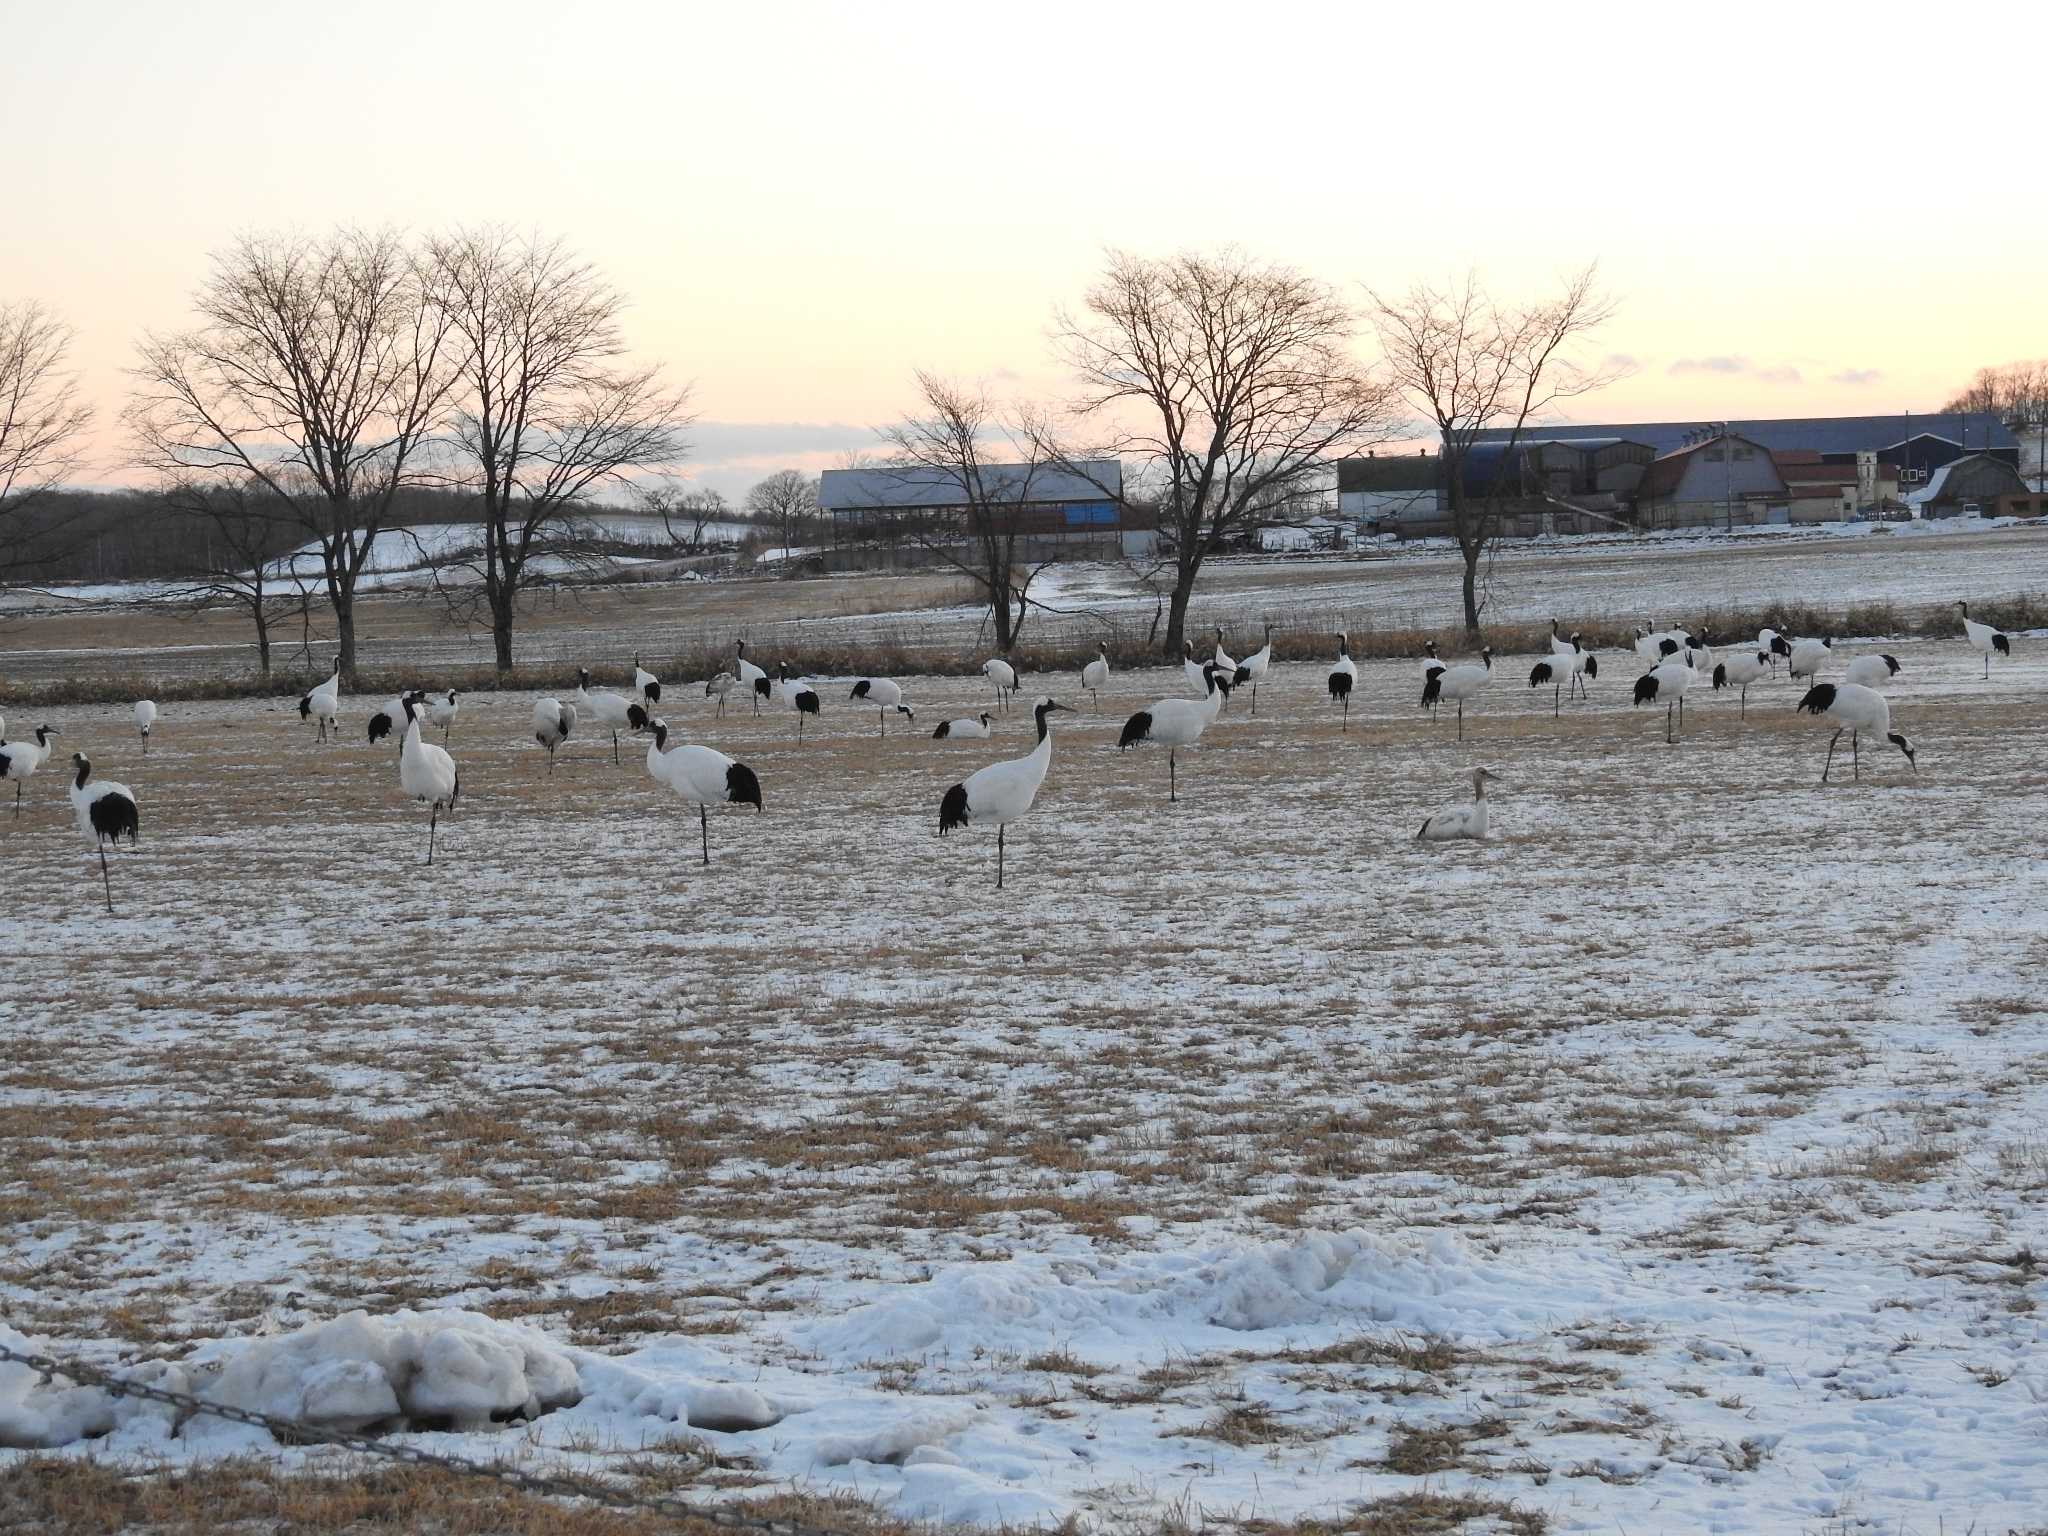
[
  {"x": 982, "y": 473},
  {"x": 247, "y": 560},
  {"x": 317, "y": 373},
  {"x": 2016, "y": 393},
  {"x": 546, "y": 412},
  {"x": 787, "y": 501},
  {"x": 1239, "y": 378},
  {"x": 42, "y": 428},
  {"x": 1470, "y": 364},
  {"x": 685, "y": 514}
]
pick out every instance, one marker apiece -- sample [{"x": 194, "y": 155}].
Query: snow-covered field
[{"x": 1674, "y": 1162}]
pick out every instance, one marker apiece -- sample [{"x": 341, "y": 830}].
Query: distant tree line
[{"x": 2016, "y": 393}]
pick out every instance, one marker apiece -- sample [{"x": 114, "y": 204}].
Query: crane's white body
[
  {"x": 145, "y": 722},
  {"x": 1807, "y": 657},
  {"x": 552, "y": 722},
  {"x": 1563, "y": 670},
  {"x": 1253, "y": 667},
  {"x": 322, "y": 703},
  {"x": 1871, "y": 670},
  {"x": 1095, "y": 676},
  {"x": 1175, "y": 723},
  {"x": 1773, "y": 645},
  {"x": 1432, "y": 664},
  {"x": 799, "y": 696},
  {"x": 1002, "y": 792},
  {"x": 612, "y": 712},
  {"x": 1739, "y": 669},
  {"x": 105, "y": 811},
  {"x": 885, "y": 696},
  {"x": 1984, "y": 639},
  {"x": 646, "y": 686},
  {"x": 1859, "y": 711},
  {"x": 1667, "y": 683},
  {"x": 19, "y": 760},
  {"x": 426, "y": 772},
  {"x": 1196, "y": 672},
  {"x": 387, "y": 719},
  {"x": 1343, "y": 677},
  {"x": 1004, "y": 676},
  {"x": 979, "y": 728},
  {"x": 1458, "y": 683},
  {"x": 441, "y": 713},
  {"x": 700, "y": 776},
  {"x": 1222, "y": 657},
  {"x": 751, "y": 677},
  {"x": 1454, "y": 822}
]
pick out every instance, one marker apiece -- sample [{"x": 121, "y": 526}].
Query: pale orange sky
[{"x": 1838, "y": 206}]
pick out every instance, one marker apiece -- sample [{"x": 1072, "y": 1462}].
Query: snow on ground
[{"x": 1675, "y": 1161}]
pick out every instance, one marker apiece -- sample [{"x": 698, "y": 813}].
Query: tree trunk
[
  {"x": 1006, "y": 627},
  {"x": 502, "y": 605},
  {"x": 1472, "y": 552},
  {"x": 1177, "y": 612},
  {"x": 262, "y": 639},
  {"x": 345, "y": 636}
]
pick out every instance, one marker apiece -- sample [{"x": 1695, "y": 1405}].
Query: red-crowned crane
[
  {"x": 1871, "y": 670},
  {"x": 425, "y": 771},
  {"x": 1253, "y": 667},
  {"x": 979, "y": 728},
  {"x": 885, "y": 696},
  {"x": 106, "y": 811},
  {"x": 646, "y": 685},
  {"x": 1095, "y": 676},
  {"x": 1739, "y": 670},
  {"x": 1343, "y": 676},
  {"x": 145, "y": 721},
  {"x": 1984, "y": 639},
  {"x": 19, "y": 760},
  {"x": 609, "y": 710},
  {"x": 1807, "y": 657},
  {"x": 552, "y": 723},
  {"x": 1176, "y": 723},
  {"x": 442, "y": 712},
  {"x": 1004, "y": 675},
  {"x": 701, "y": 777},
  {"x": 718, "y": 687},
  {"x": 751, "y": 677},
  {"x": 1854, "y": 709},
  {"x": 323, "y": 703},
  {"x": 1459, "y": 684},
  {"x": 1002, "y": 792},
  {"x": 1667, "y": 683}
]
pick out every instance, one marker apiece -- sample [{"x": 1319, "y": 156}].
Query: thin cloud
[
  {"x": 1710, "y": 365},
  {"x": 1784, "y": 375},
  {"x": 1856, "y": 376}
]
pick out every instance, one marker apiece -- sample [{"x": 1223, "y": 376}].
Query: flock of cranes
[{"x": 1677, "y": 661}]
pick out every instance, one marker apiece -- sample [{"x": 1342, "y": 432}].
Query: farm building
[
  {"x": 1724, "y": 481},
  {"x": 1549, "y": 484},
  {"x": 1074, "y": 512},
  {"x": 1976, "y": 486}
]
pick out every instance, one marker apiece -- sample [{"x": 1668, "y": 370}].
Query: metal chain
[{"x": 372, "y": 1445}]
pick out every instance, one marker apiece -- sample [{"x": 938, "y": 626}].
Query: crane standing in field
[
  {"x": 1343, "y": 676},
  {"x": 1004, "y": 675},
  {"x": 1856, "y": 709},
  {"x": 1095, "y": 676},
  {"x": 1001, "y": 792},
  {"x": 609, "y": 710},
  {"x": 1984, "y": 639},
  {"x": 1667, "y": 684},
  {"x": 752, "y": 678},
  {"x": 885, "y": 696},
  {"x": 718, "y": 687},
  {"x": 1459, "y": 684},
  {"x": 105, "y": 812},
  {"x": 701, "y": 777},
  {"x": 1253, "y": 667},
  {"x": 323, "y": 703},
  {"x": 425, "y": 771},
  {"x": 1741, "y": 669},
  {"x": 1176, "y": 723},
  {"x": 646, "y": 685},
  {"x": 442, "y": 712},
  {"x": 21, "y": 759},
  {"x": 145, "y": 721},
  {"x": 552, "y": 723}
]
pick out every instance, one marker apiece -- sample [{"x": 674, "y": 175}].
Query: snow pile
[
  {"x": 425, "y": 1369},
  {"x": 1111, "y": 1306},
  {"x": 35, "y": 1415}
]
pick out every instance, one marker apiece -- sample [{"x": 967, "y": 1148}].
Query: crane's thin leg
[
  {"x": 145, "y": 743},
  {"x": 433, "y": 821},
  {"x": 104, "y": 877},
  {"x": 1555, "y": 706},
  {"x": 1461, "y": 719},
  {"x": 1255, "y": 698},
  {"x": 1172, "y": 787},
  {"x": 1347, "y": 711},
  {"x": 1855, "y": 758},
  {"x": 1830, "y": 763},
  {"x": 884, "y": 714},
  {"x": 1987, "y": 666},
  {"x": 704, "y": 831},
  {"x": 17, "y": 799},
  {"x": 999, "y": 856}
]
